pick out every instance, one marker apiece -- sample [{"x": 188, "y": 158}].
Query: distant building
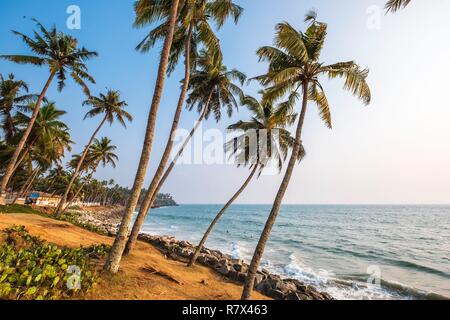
[{"x": 42, "y": 199}]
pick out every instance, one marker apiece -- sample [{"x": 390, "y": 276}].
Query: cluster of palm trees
[
  {"x": 35, "y": 140},
  {"x": 209, "y": 87}
]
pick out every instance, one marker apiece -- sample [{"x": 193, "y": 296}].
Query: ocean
[{"x": 351, "y": 252}]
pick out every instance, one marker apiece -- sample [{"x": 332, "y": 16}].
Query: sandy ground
[{"x": 133, "y": 281}]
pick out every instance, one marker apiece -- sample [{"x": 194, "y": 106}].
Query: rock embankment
[
  {"x": 271, "y": 285},
  {"x": 266, "y": 283}
]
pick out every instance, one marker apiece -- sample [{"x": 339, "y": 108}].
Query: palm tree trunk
[
  {"x": 12, "y": 163},
  {"x": 79, "y": 190},
  {"x": 168, "y": 150},
  {"x": 24, "y": 155},
  {"x": 35, "y": 175},
  {"x": 11, "y": 128},
  {"x": 219, "y": 215},
  {"x": 25, "y": 186},
  {"x": 59, "y": 210},
  {"x": 150, "y": 197},
  {"x": 250, "y": 281},
  {"x": 115, "y": 256}
]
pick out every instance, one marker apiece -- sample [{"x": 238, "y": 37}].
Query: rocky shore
[{"x": 271, "y": 285}]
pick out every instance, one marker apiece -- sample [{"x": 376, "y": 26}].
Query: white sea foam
[
  {"x": 326, "y": 281},
  {"x": 236, "y": 251}
]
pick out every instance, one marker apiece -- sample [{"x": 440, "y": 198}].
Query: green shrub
[{"x": 31, "y": 269}]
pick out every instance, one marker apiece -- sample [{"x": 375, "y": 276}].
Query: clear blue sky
[{"x": 395, "y": 151}]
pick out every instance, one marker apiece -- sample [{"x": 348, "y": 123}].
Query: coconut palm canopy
[
  {"x": 212, "y": 86},
  {"x": 110, "y": 106},
  {"x": 194, "y": 19},
  {"x": 13, "y": 96},
  {"x": 295, "y": 60},
  {"x": 49, "y": 133},
  {"x": 59, "y": 52},
  {"x": 271, "y": 121}
]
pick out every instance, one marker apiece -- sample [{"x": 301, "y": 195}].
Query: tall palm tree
[
  {"x": 60, "y": 53},
  {"x": 100, "y": 152},
  {"x": 257, "y": 150},
  {"x": 113, "y": 261},
  {"x": 111, "y": 107},
  {"x": 295, "y": 69},
  {"x": 395, "y": 5},
  {"x": 194, "y": 17},
  {"x": 11, "y": 97},
  {"x": 212, "y": 89}
]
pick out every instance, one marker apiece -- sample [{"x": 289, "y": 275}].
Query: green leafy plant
[{"x": 31, "y": 269}]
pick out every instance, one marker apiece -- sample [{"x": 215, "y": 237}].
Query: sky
[{"x": 395, "y": 151}]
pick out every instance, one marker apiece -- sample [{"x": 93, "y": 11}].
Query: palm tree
[
  {"x": 268, "y": 121},
  {"x": 100, "y": 152},
  {"x": 294, "y": 66},
  {"x": 113, "y": 261},
  {"x": 10, "y": 98},
  {"x": 112, "y": 108},
  {"x": 212, "y": 88},
  {"x": 57, "y": 180},
  {"x": 49, "y": 134},
  {"x": 194, "y": 16},
  {"x": 395, "y": 5},
  {"x": 60, "y": 53}
]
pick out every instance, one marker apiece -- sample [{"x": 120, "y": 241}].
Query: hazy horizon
[{"x": 396, "y": 151}]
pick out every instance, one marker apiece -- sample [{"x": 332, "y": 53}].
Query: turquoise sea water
[{"x": 343, "y": 250}]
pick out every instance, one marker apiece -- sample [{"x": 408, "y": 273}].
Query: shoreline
[{"x": 270, "y": 284}]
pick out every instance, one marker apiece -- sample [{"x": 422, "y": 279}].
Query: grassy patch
[
  {"x": 31, "y": 269},
  {"x": 18, "y": 208}
]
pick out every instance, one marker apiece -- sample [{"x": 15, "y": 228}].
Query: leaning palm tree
[
  {"x": 100, "y": 152},
  {"x": 395, "y": 5},
  {"x": 60, "y": 53},
  {"x": 193, "y": 30},
  {"x": 295, "y": 69},
  {"x": 265, "y": 139},
  {"x": 111, "y": 107},
  {"x": 11, "y": 97},
  {"x": 113, "y": 261},
  {"x": 212, "y": 88}
]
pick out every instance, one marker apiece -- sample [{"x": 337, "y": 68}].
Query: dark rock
[
  {"x": 275, "y": 294},
  {"x": 258, "y": 279},
  {"x": 223, "y": 269},
  {"x": 292, "y": 296},
  {"x": 237, "y": 267},
  {"x": 212, "y": 261},
  {"x": 233, "y": 275},
  {"x": 242, "y": 277}
]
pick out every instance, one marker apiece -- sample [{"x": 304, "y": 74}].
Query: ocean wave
[{"x": 353, "y": 287}]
